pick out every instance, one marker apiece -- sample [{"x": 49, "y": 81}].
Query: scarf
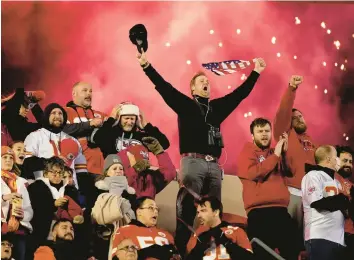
[{"x": 10, "y": 179}]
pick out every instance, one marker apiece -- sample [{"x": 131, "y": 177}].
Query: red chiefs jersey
[
  {"x": 345, "y": 186},
  {"x": 235, "y": 234},
  {"x": 142, "y": 237},
  {"x": 94, "y": 156}
]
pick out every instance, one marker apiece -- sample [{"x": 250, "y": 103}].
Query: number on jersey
[
  {"x": 217, "y": 253},
  {"x": 331, "y": 190},
  {"x": 149, "y": 241},
  {"x": 220, "y": 252}
]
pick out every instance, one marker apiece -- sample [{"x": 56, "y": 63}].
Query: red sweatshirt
[
  {"x": 263, "y": 185},
  {"x": 346, "y": 185},
  {"x": 301, "y": 148},
  {"x": 155, "y": 180}
]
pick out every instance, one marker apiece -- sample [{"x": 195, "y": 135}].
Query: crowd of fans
[{"x": 78, "y": 184}]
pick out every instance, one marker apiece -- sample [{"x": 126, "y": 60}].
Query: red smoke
[{"x": 60, "y": 43}]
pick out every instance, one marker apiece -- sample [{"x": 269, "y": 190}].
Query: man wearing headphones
[{"x": 200, "y": 140}]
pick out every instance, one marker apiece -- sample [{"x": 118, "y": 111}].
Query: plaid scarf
[{"x": 10, "y": 179}]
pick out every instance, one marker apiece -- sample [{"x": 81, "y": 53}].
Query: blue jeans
[{"x": 322, "y": 249}]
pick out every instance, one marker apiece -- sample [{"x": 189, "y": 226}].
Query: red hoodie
[
  {"x": 155, "y": 180},
  {"x": 301, "y": 147},
  {"x": 263, "y": 185}
]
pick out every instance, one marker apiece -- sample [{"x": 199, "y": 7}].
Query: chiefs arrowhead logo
[{"x": 261, "y": 158}]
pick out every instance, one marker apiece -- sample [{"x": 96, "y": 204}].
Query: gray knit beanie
[{"x": 110, "y": 160}]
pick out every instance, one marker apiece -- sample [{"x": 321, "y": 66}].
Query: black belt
[{"x": 208, "y": 158}]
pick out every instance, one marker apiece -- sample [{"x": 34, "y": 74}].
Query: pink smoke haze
[{"x": 65, "y": 42}]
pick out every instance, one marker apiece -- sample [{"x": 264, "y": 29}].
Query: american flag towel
[{"x": 227, "y": 67}]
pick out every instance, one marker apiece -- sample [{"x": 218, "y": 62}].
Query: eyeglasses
[
  {"x": 152, "y": 209},
  {"x": 7, "y": 244},
  {"x": 56, "y": 172},
  {"x": 129, "y": 248}
]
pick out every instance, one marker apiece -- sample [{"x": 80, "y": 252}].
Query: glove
[
  {"x": 153, "y": 145},
  {"x": 141, "y": 166}
]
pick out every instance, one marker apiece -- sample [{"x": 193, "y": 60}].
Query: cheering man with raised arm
[
  {"x": 199, "y": 120},
  {"x": 301, "y": 146}
]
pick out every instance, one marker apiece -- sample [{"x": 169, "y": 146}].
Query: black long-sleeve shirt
[
  {"x": 193, "y": 130},
  {"x": 112, "y": 139}
]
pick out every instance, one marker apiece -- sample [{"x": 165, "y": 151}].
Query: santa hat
[
  {"x": 6, "y": 150},
  {"x": 69, "y": 148},
  {"x": 128, "y": 108}
]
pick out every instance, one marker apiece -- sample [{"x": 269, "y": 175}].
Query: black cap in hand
[{"x": 138, "y": 36}]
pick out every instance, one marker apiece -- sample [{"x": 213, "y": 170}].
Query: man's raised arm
[
  {"x": 176, "y": 100},
  {"x": 225, "y": 105},
  {"x": 282, "y": 121}
]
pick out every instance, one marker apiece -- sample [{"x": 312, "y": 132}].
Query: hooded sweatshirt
[
  {"x": 150, "y": 181},
  {"x": 51, "y": 141},
  {"x": 263, "y": 184},
  {"x": 78, "y": 126},
  {"x": 301, "y": 148}
]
